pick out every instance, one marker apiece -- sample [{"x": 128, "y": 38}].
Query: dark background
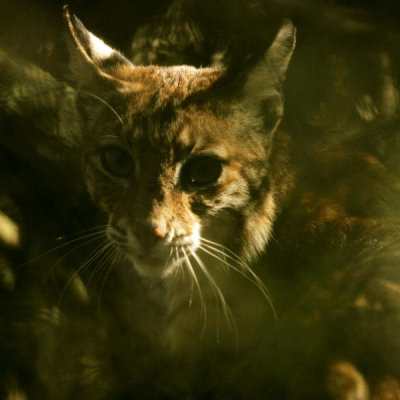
[{"x": 341, "y": 88}]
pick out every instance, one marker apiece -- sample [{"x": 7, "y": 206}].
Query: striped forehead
[
  {"x": 157, "y": 87},
  {"x": 175, "y": 134},
  {"x": 199, "y": 135}
]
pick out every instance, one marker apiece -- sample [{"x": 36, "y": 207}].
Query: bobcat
[
  {"x": 208, "y": 198},
  {"x": 239, "y": 262}
]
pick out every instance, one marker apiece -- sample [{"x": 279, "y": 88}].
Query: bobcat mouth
[
  {"x": 152, "y": 264},
  {"x": 160, "y": 259},
  {"x": 163, "y": 262}
]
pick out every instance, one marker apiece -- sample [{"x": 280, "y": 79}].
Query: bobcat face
[
  {"x": 178, "y": 165},
  {"x": 166, "y": 184}
]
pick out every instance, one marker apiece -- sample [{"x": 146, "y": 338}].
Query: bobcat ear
[
  {"x": 263, "y": 87},
  {"x": 91, "y": 58},
  {"x": 276, "y": 60}
]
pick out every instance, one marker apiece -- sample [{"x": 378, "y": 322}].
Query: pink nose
[
  {"x": 147, "y": 234},
  {"x": 159, "y": 233}
]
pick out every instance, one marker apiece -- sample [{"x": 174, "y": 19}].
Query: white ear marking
[
  {"x": 100, "y": 50},
  {"x": 90, "y": 57}
]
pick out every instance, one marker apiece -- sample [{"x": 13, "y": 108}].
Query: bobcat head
[{"x": 179, "y": 157}]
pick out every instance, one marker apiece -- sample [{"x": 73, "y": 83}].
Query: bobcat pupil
[
  {"x": 116, "y": 161},
  {"x": 201, "y": 171}
]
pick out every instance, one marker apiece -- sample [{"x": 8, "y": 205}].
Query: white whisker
[
  {"x": 252, "y": 277},
  {"x": 106, "y": 104},
  {"x": 112, "y": 258},
  {"x": 177, "y": 261},
  {"x": 225, "y": 249},
  {"x": 195, "y": 279},
  {"x": 168, "y": 259},
  {"x": 92, "y": 256},
  {"x": 227, "y": 312},
  {"x": 182, "y": 269},
  {"x": 94, "y": 228},
  {"x": 104, "y": 254},
  {"x": 96, "y": 235}
]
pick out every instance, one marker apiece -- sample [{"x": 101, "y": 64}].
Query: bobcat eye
[
  {"x": 116, "y": 161},
  {"x": 201, "y": 171}
]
